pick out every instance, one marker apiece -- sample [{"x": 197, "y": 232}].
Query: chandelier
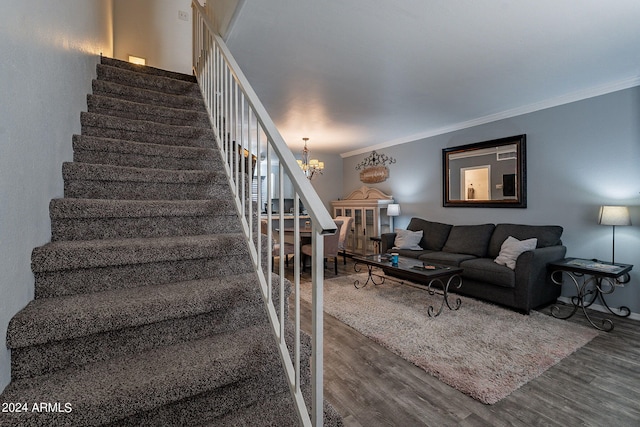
[{"x": 310, "y": 167}]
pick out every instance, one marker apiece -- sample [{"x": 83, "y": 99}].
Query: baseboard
[{"x": 601, "y": 308}]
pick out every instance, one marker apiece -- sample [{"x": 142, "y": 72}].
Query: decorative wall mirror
[{"x": 490, "y": 174}]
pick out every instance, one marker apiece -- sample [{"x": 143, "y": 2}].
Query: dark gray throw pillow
[
  {"x": 469, "y": 239},
  {"x": 434, "y": 234}
]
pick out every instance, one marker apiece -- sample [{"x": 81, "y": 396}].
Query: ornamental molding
[{"x": 368, "y": 193}]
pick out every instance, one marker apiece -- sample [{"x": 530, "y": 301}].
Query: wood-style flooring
[{"x": 599, "y": 385}]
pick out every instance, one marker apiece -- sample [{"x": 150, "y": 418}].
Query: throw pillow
[
  {"x": 469, "y": 239},
  {"x": 407, "y": 239},
  {"x": 547, "y": 235},
  {"x": 434, "y": 234},
  {"x": 512, "y": 248}
]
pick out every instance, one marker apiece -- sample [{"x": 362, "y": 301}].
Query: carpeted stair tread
[
  {"x": 116, "y": 90},
  {"x": 144, "y": 131},
  {"x": 215, "y": 404},
  {"x": 107, "y": 391},
  {"x": 83, "y": 254},
  {"x": 275, "y": 410},
  {"x": 148, "y": 81},
  {"x": 56, "y": 319},
  {"x": 208, "y": 406},
  {"x": 97, "y": 172},
  {"x": 92, "y": 149},
  {"x": 98, "y": 181},
  {"x": 53, "y": 283},
  {"x": 95, "y": 143},
  {"x": 85, "y": 219},
  {"x": 141, "y": 111},
  {"x": 137, "y": 227},
  {"x": 146, "y": 69},
  {"x": 237, "y": 307},
  {"x": 104, "y": 208}
]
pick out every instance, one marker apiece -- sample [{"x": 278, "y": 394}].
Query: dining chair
[
  {"x": 330, "y": 248},
  {"x": 344, "y": 232},
  {"x": 289, "y": 248}
]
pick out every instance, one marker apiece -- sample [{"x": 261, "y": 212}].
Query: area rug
[{"x": 482, "y": 350}]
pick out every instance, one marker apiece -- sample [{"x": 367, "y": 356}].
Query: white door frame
[{"x": 463, "y": 183}]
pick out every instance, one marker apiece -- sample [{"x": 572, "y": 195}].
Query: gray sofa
[{"x": 474, "y": 248}]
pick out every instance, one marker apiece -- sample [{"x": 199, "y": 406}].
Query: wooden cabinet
[{"x": 368, "y": 208}]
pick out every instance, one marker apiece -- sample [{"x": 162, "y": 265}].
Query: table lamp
[
  {"x": 614, "y": 215},
  {"x": 392, "y": 210}
]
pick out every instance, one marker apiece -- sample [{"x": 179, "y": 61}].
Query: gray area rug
[{"x": 482, "y": 350}]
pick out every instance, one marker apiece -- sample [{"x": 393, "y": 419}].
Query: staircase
[{"x": 147, "y": 305}]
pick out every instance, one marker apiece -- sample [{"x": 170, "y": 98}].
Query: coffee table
[{"x": 435, "y": 279}]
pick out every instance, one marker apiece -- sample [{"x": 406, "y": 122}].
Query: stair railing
[{"x": 247, "y": 136}]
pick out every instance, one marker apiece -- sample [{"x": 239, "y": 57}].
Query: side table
[{"x": 598, "y": 278}]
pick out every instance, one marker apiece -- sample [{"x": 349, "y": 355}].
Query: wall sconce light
[
  {"x": 614, "y": 215},
  {"x": 137, "y": 60}
]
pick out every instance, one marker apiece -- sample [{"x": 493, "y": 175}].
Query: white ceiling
[{"x": 353, "y": 75}]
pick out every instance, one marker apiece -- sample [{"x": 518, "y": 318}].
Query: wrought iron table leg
[
  {"x": 445, "y": 294},
  {"x": 370, "y": 277},
  {"x": 623, "y": 310},
  {"x": 579, "y": 301},
  {"x": 556, "y": 277}
]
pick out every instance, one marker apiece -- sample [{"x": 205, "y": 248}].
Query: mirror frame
[{"x": 521, "y": 174}]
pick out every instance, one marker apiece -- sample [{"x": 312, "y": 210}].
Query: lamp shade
[
  {"x": 614, "y": 215},
  {"x": 393, "y": 210}
]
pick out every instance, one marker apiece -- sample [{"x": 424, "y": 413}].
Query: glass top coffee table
[{"x": 435, "y": 279}]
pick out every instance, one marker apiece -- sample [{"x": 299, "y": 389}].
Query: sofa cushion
[
  {"x": 407, "y": 239},
  {"x": 446, "y": 258},
  {"x": 409, "y": 253},
  {"x": 511, "y": 250},
  {"x": 547, "y": 235},
  {"x": 469, "y": 239},
  {"x": 485, "y": 270},
  {"x": 434, "y": 234}
]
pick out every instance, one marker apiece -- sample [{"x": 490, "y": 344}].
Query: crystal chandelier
[{"x": 310, "y": 167}]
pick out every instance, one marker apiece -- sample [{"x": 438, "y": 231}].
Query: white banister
[{"x": 246, "y": 135}]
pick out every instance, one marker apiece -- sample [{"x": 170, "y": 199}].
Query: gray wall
[
  {"x": 49, "y": 52},
  {"x": 580, "y": 156},
  {"x": 151, "y": 29}
]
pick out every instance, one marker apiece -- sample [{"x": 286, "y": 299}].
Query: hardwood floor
[{"x": 599, "y": 385}]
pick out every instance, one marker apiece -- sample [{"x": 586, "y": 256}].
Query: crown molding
[{"x": 580, "y": 95}]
